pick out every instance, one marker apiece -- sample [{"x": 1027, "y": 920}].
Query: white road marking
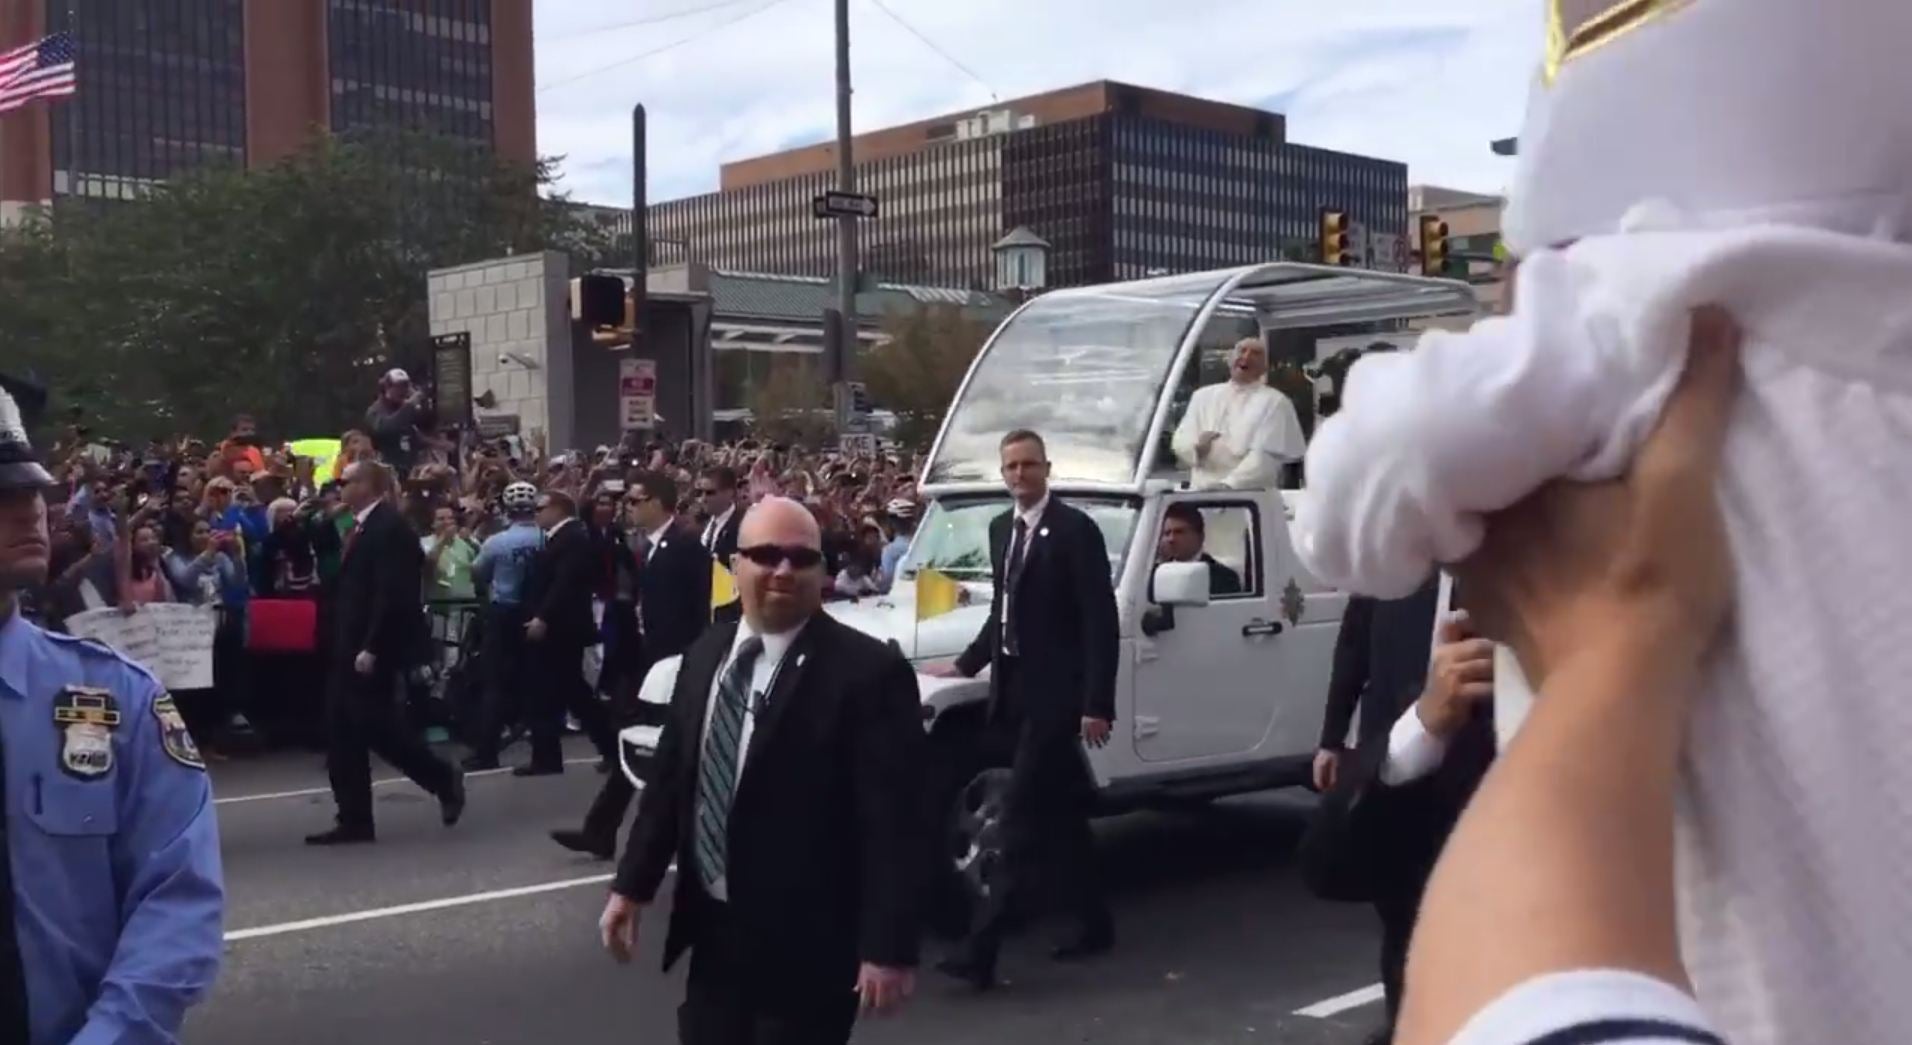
[
  {"x": 310, "y": 791},
  {"x": 308, "y": 924},
  {"x": 1340, "y": 1003}
]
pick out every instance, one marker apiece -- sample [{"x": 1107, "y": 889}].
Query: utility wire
[
  {"x": 653, "y": 52},
  {"x": 931, "y": 44},
  {"x": 657, "y": 19}
]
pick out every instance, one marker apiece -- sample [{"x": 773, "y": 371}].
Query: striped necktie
[{"x": 717, "y": 777}]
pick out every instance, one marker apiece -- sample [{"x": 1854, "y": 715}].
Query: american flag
[{"x": 39, "y": 70}]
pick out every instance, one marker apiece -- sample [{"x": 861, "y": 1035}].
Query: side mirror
[{"x": 1180, "y": 584}]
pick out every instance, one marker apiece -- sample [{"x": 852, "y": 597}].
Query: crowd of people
[{"x": 246, "y": 525}]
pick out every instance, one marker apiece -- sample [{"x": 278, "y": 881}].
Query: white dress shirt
[
  {"x": 656, "y": 537},
  {"x": 1413, "y": 752},
  {"x": 559, "y": 525},
  {"x": 763, "y": 675},
  {"x": 716, "y": 526},
  {"x": 1258, "y": 431}
]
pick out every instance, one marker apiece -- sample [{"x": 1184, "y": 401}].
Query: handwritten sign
[{"x": 171, "y": 640}]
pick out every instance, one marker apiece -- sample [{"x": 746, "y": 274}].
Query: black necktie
[
  {"x": 13, "y": 984},
  {"x": 1011, "y": 575}
]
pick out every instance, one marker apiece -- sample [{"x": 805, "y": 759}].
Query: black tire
[{"x": 956, "y": 759}]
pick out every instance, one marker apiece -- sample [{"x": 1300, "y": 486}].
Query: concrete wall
[{"x": 519, "y": 305}]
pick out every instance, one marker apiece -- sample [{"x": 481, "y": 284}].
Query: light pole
[{"x": 842, "y": 357}]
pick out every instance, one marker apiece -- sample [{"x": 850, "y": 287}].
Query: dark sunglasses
[
  {"x": 637, "y": 498},
  {"x": 771, "y": 556},
  {"x": 705, "y": 491}
]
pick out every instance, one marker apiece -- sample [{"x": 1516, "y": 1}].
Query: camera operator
[{"x": 397, "y": 420}]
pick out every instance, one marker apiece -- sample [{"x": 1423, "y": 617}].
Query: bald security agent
[
  {"x": 110, "y": 888},
  {"x": 785, "y": 789}
]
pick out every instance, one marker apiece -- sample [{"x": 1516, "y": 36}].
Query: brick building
[{"x": 164, "y": 87}]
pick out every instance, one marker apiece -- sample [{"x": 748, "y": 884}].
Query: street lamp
[{"x": 1022, "y": 261}]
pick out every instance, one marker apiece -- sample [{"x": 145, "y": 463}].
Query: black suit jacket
[
  {"x": 558, "y": 588},
  {"x": 673, "y": 600},
  {"x": 1380, "y": 663},
  {"x": 825, "y": 862},
  {"x": 724, "y": 548},
  {"x": 1063, "y": 611},
  {"x": 377, "y": 597}
]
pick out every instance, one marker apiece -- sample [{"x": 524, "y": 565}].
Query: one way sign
[{"x": 843, "y": 205}]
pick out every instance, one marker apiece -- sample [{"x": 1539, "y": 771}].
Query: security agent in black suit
[
  {"x": 673, "y": 606},
  {"x": 1051, "y": 645},
  {"x": 1426, "y": 742},
  {"x": 378, "y": 633},
  {"x": 724, "y": 519},
  {"x": 561, "y": 625},
  {"x": 786, "y": 790}
]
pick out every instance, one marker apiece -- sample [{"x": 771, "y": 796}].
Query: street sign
[
  {"x": 835, "y": 204},
  {"x": 857, "y": 443},
  {"x": 451, "y": 377},
  {"x": 636, "y": 393}
]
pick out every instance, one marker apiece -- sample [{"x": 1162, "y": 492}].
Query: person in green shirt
[{"x": 448, "y": 558}]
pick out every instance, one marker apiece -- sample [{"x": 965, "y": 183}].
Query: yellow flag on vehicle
[
  {"x": 936, "y": 594},
  {"x": 723, "y": 586}
]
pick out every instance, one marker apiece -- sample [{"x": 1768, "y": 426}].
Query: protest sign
[{"x": 172, "y": 640}]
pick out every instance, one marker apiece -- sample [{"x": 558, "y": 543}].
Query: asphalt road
[{"x": 486, "y": 933}]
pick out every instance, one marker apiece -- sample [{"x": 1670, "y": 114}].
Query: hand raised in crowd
[
  {"x": 1651, "y": 547},
  {"x": 1460, "y": 678}
]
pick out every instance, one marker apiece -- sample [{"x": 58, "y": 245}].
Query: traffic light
[
  {"x": 1334, "y": 237},
  {"x": 1433, "y": 245}
]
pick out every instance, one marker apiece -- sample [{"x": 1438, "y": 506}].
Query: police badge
[
  {"x": 86, "y": 717},
  {"x": 174, "y": 736}
]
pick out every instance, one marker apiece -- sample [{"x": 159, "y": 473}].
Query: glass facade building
[
  {"x": 162, "y": 88},
  {"x": 420, "y": 65},
  {"x": 939, "y": 213},
  {"x": 1118, "y": 195}
]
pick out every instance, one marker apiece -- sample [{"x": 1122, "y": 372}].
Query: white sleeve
[
  {"x": 1413, "y": 752},
  {"x": 1277, "y": 439},
  {"x": 1591, "y": 1007},
  {"x": 1464, "y": 424},
  {"x": 1188, "y": 431}
]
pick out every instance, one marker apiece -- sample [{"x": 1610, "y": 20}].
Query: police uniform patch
[
  {"x": 87, "y": 718},
  {"x": 174, "y": 736}
]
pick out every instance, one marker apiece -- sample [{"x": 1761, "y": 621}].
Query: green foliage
[
  {"x": 916, "y": 373},
  {"x": 281, "y": 291},
  {"x": 793, "y": 406}
]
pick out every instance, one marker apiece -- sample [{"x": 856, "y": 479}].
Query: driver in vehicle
[
  {"x": 1184, "y": 533},
  {"x": 1236, "y": 435}
]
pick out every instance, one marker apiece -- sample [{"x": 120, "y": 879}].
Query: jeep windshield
[{"x": 953, "y": 538}]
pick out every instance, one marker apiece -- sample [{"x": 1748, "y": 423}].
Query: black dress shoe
[
  {"x": 974, "y": 975},
  {"x": 585, "y": 842},
  {"x": 342, "y": 835},
  {"x": 451, "y": 804},
  {"x": 479, "y": 763},
  {"x": 538, "y": 770},
  {"x": 1092, "y": 942}
]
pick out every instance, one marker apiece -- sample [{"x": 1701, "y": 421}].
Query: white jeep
[{"x": 1216, "y": 694}]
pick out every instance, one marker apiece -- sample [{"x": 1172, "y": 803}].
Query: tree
[
  {"x": 915, "y": 373},
  {"x": 279, "y": 291},
  {"x": 793, "y": 405}
]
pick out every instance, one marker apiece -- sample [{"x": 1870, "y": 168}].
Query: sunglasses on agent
[{"x": 771, "y": 556}]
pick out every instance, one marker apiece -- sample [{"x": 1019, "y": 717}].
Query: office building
[
  {"x": 1122, "y": 181},
  {"x": 165, "y": 87}
]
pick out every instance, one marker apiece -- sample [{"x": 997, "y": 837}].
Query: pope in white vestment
[
  {"x": 1238, "y": 434},
  {"x": 1652, "y": 183}
]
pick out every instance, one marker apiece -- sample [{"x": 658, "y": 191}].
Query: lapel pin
[{"x": 1044, "y": 532}]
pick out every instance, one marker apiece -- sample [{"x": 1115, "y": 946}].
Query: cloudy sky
[{"x": 1429, "y": 82}]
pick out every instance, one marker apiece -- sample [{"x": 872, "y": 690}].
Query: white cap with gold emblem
[{"x": 1734, "y": 112}]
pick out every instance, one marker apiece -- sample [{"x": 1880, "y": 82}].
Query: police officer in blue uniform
[
  {"x": 502, "y": 566},
  {"x": 110, "y": 888}
]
